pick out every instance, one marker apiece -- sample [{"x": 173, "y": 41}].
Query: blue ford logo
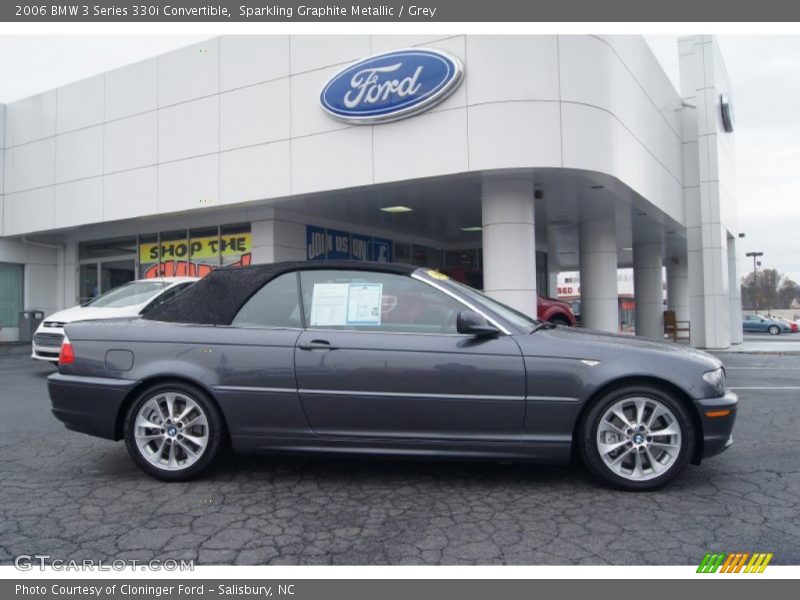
[{"x": 391, "y": 86}]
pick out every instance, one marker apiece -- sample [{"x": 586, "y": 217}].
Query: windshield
[
  {"x": 516, "y": 318},
  {"x": 130, "y": 294}
]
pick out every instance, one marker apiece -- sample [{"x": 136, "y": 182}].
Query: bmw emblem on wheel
[{"x": 391, "y": 86}]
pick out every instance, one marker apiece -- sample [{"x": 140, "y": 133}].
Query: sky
[{"x": 765, "y": 71}]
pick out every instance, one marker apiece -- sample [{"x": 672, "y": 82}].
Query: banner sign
[
  {"x": 190, "y": 258},
  {"x": 196, "y": 248},
  {"x": 333, "y": 244}
]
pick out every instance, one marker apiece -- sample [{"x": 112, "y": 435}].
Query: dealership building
[{"x": 500, "y": 160}]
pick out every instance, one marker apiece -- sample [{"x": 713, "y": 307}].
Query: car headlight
[{"x": 716, "y": 379}]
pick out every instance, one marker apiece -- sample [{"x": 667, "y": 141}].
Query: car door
[
  {"x": 253, "y": 360},
  {"x": 381, "y": 358},
  {"x": 754, "y": 323}
]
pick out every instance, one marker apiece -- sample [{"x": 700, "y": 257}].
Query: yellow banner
[{"x": 232, "y": 244}]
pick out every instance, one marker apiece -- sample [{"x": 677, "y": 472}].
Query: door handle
[{"x": 317, "y": 345}]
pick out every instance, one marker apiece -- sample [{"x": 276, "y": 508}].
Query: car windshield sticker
[
  {"x": 329, "y": 304},
  {"x": 364, "y": 304},
  {"x": 340, "y": 304},
  {"x": 436, "y": 274}
]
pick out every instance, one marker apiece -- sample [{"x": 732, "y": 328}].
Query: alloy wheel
[
  {"x": 171, "y": 431},
  {"x": 639, "y": 438}
]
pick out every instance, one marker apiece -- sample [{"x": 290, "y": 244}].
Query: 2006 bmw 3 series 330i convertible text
[{"x": 383, "y": 359}]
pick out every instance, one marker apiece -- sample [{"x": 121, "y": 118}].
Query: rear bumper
[
  {"x": 717, "y": 430},
  {"x": 88, "y": 404}
]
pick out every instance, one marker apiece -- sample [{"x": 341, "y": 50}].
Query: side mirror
[{"x": 472, "y": 323}]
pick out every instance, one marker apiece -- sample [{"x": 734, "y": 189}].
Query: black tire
[
  {"x": 590, "y": 453},
  {"x": 217, "y": 432},
  {"x": 559, "y": 320},
  {"x": 774, "y": 330}
]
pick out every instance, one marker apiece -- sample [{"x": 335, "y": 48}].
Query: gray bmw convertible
[{"x": 393, "y": 360}]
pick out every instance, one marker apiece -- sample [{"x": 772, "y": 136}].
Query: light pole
[{"x": 755, "y": 255}]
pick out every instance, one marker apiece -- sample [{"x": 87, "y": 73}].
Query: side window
[
  {"x": 274, "y": 305},
  {"x": 169, "y": 294},
  {"x": 366, "y": 301}
]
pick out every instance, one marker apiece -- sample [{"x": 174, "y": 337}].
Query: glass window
[
  {"x": 509, "y": 314},
  {"x": 203, "y": 251},
  {"x": 402, "y": 253},
  {"x": 274, "y": 305},
  {"x": 235, "y": 245},
  {"x": 149, "y": 256},
  {"x": 170, "y": 293},
  {"x": 174, "y": 248},
  {"x": 89, "y": 286},
  {"x": 136, "y": 292},
  {"x": 366, "y": 301},
  {"x": 107, "y": 248}
]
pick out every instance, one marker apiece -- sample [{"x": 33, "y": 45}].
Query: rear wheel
[
  {"x": 774, "y": 330},
  {"x": 637, "y": 438},
  {"x": 174, "y": 431}
]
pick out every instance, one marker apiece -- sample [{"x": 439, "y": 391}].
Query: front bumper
[
  {"x": 88, "y": 404},
  {"x": 46, "y": 343},
  {"x": 717, "y": 430}
]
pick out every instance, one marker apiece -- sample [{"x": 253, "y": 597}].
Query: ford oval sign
[{"x": 391, "y": 86}]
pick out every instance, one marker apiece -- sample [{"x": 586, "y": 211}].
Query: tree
[
  {"x": 788, "y": 291},
  {"x": 771, "y": 290}
]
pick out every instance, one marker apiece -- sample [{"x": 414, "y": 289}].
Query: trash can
[{"x": 29, "y": 321}]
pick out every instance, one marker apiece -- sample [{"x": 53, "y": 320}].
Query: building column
[
  {"x": 276, "y": 239},
  {"x": 509, "y": 242},
  {"x": 648, "y": 289},
  {"x": 678, "y": 287},
  {"x": 598, "y": 267},
  {"x": 735, "y": 293},
  {"x": 706, "y": 208}
]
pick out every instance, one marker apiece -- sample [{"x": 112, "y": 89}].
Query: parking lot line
[
  {"x": 788, "y": 387},
  {"x": 755, "y": 368}
]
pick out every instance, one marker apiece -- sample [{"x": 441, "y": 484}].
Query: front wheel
[
  {"x": 174, "y": 431},
  {"x": 637, "y": 438},
  {"x": 774, "y": 330}
]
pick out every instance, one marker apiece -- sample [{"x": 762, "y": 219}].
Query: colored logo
[
  {"x": 391, "y": 86},
  {"x": 736, "y": 562}
]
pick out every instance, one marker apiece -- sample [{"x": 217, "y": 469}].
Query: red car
[
  {"x": 548, "y": 309},
  {"x": 555, "y": 311},
  {"x": 788, "y": 322}
]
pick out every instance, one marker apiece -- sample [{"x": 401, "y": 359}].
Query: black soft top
[{"x": 217, "y": 298}]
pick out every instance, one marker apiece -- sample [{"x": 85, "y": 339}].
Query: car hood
[
  {"x": 570, "y": 342},
  {"x": 83, "y": 313}
]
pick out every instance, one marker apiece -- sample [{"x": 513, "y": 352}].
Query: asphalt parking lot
[{"x": 74, "y": 497}]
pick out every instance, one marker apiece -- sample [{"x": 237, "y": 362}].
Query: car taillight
[{"x": 67, "y": 355}]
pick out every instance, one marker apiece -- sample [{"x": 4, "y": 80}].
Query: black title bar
[{"x": 287, "y": 11}]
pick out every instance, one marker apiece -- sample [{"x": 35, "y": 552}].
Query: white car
[{"x": 127, "y": 300}]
